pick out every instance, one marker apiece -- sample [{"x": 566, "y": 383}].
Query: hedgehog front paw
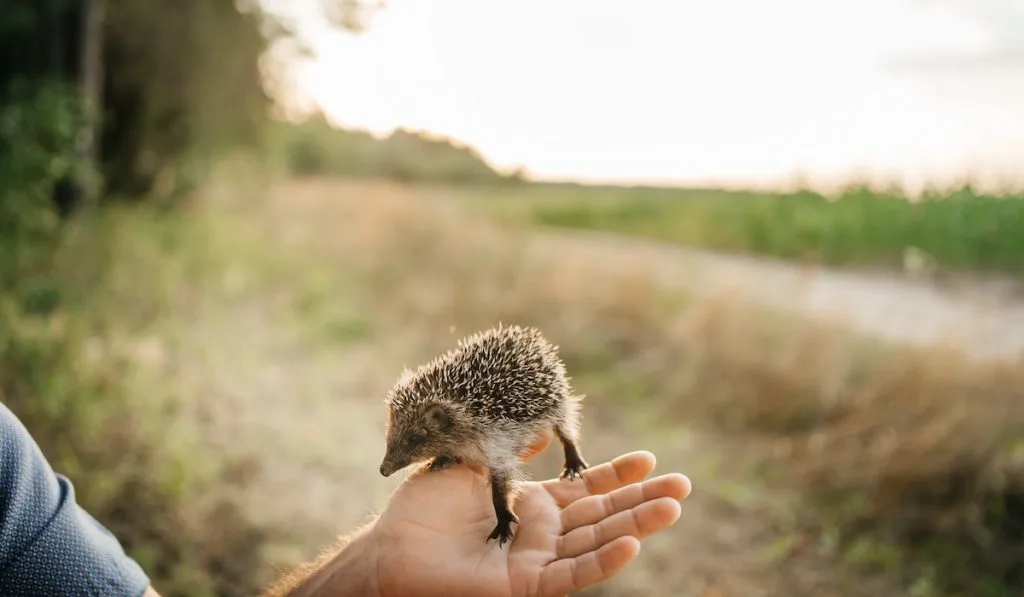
[
  {"x": 442, "y": 462},
  {"x": 503, "y": 530}
]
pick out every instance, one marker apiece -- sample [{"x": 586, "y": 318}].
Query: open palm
[{"x": 571, "y": 534}]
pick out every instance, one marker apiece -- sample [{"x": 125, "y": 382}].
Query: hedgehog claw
[
  {"x": 442, "y": 462},
  {"x": 574, "y": 470},
  {"x": 503, "y": 531}
]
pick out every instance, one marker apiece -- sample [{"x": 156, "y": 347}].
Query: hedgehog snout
[
  {"x": 392, "y": 463},
  {"x": 388, "y": 467}
]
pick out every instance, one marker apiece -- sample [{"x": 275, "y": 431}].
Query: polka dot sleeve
[{"x": 48, "y": 544}]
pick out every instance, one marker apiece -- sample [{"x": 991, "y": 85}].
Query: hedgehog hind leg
[
  {"x": 574, "y": 462},
  {"x": 501, "y": 491}
]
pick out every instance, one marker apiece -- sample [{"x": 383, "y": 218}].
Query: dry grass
[{"x": 907, "y": 456}]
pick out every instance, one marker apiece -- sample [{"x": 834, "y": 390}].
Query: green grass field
[{"x": 957, "y": 230}]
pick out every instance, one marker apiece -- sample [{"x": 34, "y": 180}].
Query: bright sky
[{"x": 724, "y": 91}]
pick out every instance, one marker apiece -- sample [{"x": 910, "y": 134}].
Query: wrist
[{"x": 350, "y": 572}]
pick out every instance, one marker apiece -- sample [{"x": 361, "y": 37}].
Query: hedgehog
[{"x": 485, "y": 402}]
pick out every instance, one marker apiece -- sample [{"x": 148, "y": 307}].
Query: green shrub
[{"x": 56, "y": 308}]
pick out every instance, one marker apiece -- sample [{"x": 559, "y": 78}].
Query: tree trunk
[{"x": 91, "y": 85}]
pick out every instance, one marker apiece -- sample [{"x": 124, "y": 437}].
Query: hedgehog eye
[{"x": 416, "y": 440}]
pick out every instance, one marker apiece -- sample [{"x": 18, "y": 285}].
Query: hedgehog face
[{"x": 418, "y": 433}]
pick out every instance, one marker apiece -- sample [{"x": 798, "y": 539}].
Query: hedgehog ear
[{"x": 439, "y": 416}]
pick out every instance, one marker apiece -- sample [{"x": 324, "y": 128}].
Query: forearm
[{"x": 349, "y": 569}]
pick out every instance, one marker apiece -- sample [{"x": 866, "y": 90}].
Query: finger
[
  {"x": 544, "y": 439},
  {"x": 575, "y": 574},
  {"x": 640, "y": 522},
  {"x": 595, "y": 508},
  {"x": 621, "y": 471}
]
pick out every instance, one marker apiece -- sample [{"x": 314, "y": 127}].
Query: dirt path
[
  {"x": 986, "y": 319},
  {"x": 308, "y": 413}
]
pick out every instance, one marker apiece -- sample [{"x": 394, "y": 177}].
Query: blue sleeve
[{"x": 48, "y": 544}]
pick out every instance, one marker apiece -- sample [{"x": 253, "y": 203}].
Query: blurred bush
[
  {"x": 183, "y": 86},
  {"x": 38, "y": 125},
  {"x": 315, "y": 147}
]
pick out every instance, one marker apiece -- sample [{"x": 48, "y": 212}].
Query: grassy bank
[{"x": 956, "y": 230}]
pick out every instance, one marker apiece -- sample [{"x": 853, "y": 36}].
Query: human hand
[{"x": 430, "y": 539}]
